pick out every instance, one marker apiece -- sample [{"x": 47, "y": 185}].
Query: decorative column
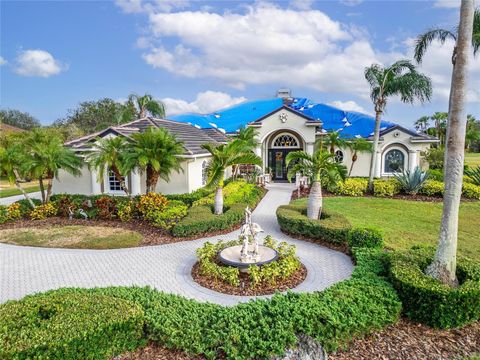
[
  {"x": 412, "y": 159},
  {"x": 378, "y": 165},
  {"x": 136, "y": 182},
  {"x": 96, "y": 184},
  {"x": 310, "y": 147}
]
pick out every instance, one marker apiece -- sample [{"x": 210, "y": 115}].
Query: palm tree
[
  {"x": 223, "y": 156},
  {"x": 147, "y": 104},
  {"x": 399, "y": 79},
  {"x": 440, "y": 119},
  {"x": 108, "y": 154},
  {"x": 315, "y": 166},
  {"x": 473, "y": 132},
  {"x": 11, "y": 161},
  {"x": 45, "y": 157},
  {"x": 248, "y": 136},
  {"x": 422, "y": 123},
  {"x": 156, "y": 152},
  {"x": 444, "y": 263},
  {"x": 358, "y": 145},
  {"x": 424, "y": 40},
  {"x": 333, "y": 140}
]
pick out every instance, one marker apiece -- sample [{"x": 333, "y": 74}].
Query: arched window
[
  {"x": 339, "y": 156},
  {"x": 285, "y": 141},
  {"x": 394, "y": 161},
  {"x": 204, "y": 173}
]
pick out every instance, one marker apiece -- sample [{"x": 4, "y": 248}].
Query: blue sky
[{"x": 200, "y": 56}]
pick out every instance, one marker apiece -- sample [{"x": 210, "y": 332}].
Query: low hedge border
[
  {"x": 427, "y": 300},
  {"x": 69, "y": 324},
  {"x": 333, "y": 227},
  {"x": 257, "y": 329}
]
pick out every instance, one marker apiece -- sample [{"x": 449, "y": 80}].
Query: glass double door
[{"x": 276, "y": 162}]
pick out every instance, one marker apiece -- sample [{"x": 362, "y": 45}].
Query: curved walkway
[{"x": 27, "y": 270}]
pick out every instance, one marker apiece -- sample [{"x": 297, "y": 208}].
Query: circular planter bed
[{"x": 286, "y": 272}]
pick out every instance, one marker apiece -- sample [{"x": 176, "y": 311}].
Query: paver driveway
[{"x": 26, "y": 270}]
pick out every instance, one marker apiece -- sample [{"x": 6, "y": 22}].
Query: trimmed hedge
[
  {"x": 332, "y": 227},
  {"x": 189, "y": 198},
  {"x": 258, "y": 329},
  {"x": 352, "y": 187},
  {"x": 384, "y": 188},
  {"x": 429, "y": 301},
  {"x": 69, "y": 324},
  {"x": 365, "y": 237}
]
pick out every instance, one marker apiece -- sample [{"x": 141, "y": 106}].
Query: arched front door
[{"x": 281, "y": 145}]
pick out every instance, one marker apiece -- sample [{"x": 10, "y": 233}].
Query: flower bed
[{"x": 280, "y": 275}]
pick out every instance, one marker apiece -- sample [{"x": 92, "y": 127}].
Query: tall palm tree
[
  {"x": 315, "y": 166},
  {"x": 444, "y": 263},
  {"x": 440, "y": 120},
  {"x": 358, "y": 145},
  {"x": 422, "y": 123},
  {"x": 399, "y": 79},
  {"x": 333, "y": 140},
  {"x": 108, "y": 155},
  {"x": 146, "y": 104},
  {"x": 424, "y": 40},
  {"x": 223, "y": 156},
  {"x": 247, "y": 135},
  {"x": 45, "y": 157},
  {"x": 11, "y": 160},
  {"x": 155, "y": 152}
]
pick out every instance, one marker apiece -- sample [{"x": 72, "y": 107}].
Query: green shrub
[
  {"x": 365, "y": 237},
  {"x": 172, "y": 214},
  {"x": 25, "y": 206},
  {"x": 352, "y": 187},
  {"x": 332, "y": 227},
  {"x": 3, "y": 214},
  {"x": 235, "y": 192},
  {"x": 473, "y": 174},
  {"x": 412, "y": 181},
  {"x": 69, "y": 325},
  {"x": 42, "y": 212},
  {"x": 149, "y": 203},
  {"x": 126, "y": 210},
  {"x": 189, "y": 198},
  {"x": 429, "y": 301},
  {"x": 14, "y": 212},
  {"x": 436, "y": 174},
  {"x": 432, "y": 188},
  {"x": 471, "y": 191},
  {"x": 202, "y": 220},
  {"x": 384, "y": 188}
]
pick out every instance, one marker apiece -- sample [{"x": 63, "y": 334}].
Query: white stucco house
[{"x": 283, "y": 124}]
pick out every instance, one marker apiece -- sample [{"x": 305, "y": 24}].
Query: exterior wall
[
  {"x": 69, "y": 184},
  {"x": 178, "y": 183}
]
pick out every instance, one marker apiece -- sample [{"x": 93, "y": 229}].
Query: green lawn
[
  {"x": 14, "y": 191},
  {"x": 72, "y": 237},
  {"x": 472, "y": 159},
  {"x": 406, "y": 223}
]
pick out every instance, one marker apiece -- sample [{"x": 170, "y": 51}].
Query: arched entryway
[{"x": 279, "y": 145}]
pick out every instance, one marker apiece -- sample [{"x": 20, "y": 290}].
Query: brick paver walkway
[{"x": 26, "y": 270}]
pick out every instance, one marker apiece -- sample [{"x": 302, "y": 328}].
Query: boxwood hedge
[
  {"x": 429, "y": 301},
  {"x": 68, "y": 324},
  {"x": 333, "y": 227}
]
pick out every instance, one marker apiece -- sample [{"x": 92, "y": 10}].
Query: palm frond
[{"x": 424, "y": 40}]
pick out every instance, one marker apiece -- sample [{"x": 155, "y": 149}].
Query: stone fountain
[{"x": 250, "y": 252}]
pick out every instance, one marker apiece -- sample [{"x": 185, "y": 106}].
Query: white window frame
[
  {"x": 204, "y": 172},
  {"x": 299, "y": 146},
  {"x": 384, "y": 155},
  {"x": 106, "y": 183}
]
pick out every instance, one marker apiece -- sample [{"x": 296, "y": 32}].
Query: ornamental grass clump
[{"x": 412, "y": 181}]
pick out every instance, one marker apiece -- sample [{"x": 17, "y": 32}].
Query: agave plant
[
  {"x": 412, "y": 181},
  {"x": 474, "y": 174}
]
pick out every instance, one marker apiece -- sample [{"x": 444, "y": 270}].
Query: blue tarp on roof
[{"x": 349, "y": 123}]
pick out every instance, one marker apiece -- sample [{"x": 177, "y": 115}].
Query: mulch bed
[
  {"x": 156, "y": 352},
  {"x": 151, "y": 235},
  {"x": 408, "y": 340},
  {"x": 245, "y": 289}
]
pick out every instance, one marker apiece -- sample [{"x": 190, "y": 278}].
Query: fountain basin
[{"x": 231, "y": 256}]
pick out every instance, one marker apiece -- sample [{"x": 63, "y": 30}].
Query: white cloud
[
  {"x": 38, "y": 63},
  {"x": 2, "y": 61},
  {"x": 147, "y": 6},
  {"x": 449, "y": 4},
  {"x": 349, "y": 105},
  {"x": 301, "y": 4},
  {"x": 206, "y": 102}
]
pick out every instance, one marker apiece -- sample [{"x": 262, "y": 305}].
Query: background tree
[
  {"x": 233, "y": 153},
  {"x": 18, "y": 119},
  {"x": 473, "y": 133},
  {"x": 399, "y": 79},
  {"x": 249, "y": 137},
  {"x": 440, "y": 123},
  {"x": 319, "y": 164},
  {"x": 146, "y": 105},
  {"x": 444, "y": 263},
  {"x": 422, "y": 124},
  {"x": 333, "y": 140},
  {"x": 155, "y": 152},
  {"x": 358, "y": 145},
  {"x": 108, "y": 154}
]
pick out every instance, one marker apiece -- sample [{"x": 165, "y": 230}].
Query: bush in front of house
[
  {"x": 238, "y": 191},
  {"x": 170, "y": 215},
  {"x": 471, "y": 191},
  {"x": 67, "y": 324},
  {"x": 41, "y": 212},
  {"x": 429, "y": 301},
  {"x": 332, "y": 227},
  {"x": 386, "y": 188},
  {"x": 352, "y": 187},
  {"x": 189, "y": 198},
  {"x": 365, "y": 237},
  {"x": 432, "y": 188}
]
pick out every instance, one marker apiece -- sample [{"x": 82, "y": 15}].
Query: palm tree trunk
[
  {"x": 42, "y": 189},
  {"x": 373, "y": 161},
  {"x": 152, "y": 178},
  {"x": 218, "y": 207},
  {"x": 444, "y": 264},
  {"x": 17, "y": 184},
  {"x": 332, "y": 149},
  {"x": 315, "y": 201},
  {"x": 121, "y": 180},
  {"x": 49, "y": 190},
  {"x": 354, "y": 158}
]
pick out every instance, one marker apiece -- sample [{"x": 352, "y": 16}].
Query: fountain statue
[{"x": 250, "y": 252}]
